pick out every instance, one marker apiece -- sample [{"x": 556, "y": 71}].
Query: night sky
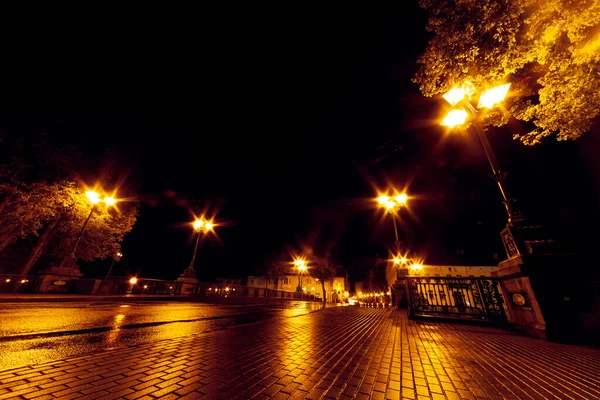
[{"x": 285, "y": 123}]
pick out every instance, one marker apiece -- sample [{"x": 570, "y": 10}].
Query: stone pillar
[
  {"x": 187, "y": 282},
  {"x": 59, "y": 279},
  {"x": 541, "y": 288}
]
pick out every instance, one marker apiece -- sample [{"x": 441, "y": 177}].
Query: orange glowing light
[
  {"x": 110, "y": 201},
  {"x": 455, "y": 118},
  {"x": 493, "y": 96},
  {"x": 133, "y": 280},
  {"x": 93, "y": 196},
  {"x": 458, "y": 93}
]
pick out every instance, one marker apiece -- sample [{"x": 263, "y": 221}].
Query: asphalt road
[{"x": 32, "y": 333}]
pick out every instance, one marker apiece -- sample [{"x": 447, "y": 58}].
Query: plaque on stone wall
[{"x": 519, "y": 299}]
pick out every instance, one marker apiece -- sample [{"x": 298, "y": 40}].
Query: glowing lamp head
[
  {"x": 458, "y": 93},
  {"x": 416, "y": 267},
  {"x": 209, "y": 226},
  {"x": 401, "y": 198},
  {"x": 93, "y": 197},
  {"x": 383, "y": 200},
  {"x": 493, "y": 96},
  {"x": 110, "y": 201},
  {"x": 198, "y": 224},
  {"x": 133, "y": 280},
  {"x": 455, "y": 118},
  {"x": 300, "y": 264}
]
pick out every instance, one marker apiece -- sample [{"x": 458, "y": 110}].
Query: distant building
[
  {"x": 291, "y": 282},
  {"x": 229, "y": 281},
  {"x": 397, "y": 283}
]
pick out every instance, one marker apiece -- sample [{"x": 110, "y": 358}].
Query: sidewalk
[{"x": 340, "y": 352}]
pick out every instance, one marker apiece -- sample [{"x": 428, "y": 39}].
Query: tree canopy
[
  {"x": 43, "y": 201},
  {"x": 548, "y": 49}
]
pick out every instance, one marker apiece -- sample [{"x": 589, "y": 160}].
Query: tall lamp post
[
  {"x": 301, "y": 266},
  {"x": 202, "y": 227},
  {"x": 115, "y": 258},
  {"x": 459, "y": 97},
  {"x": 527, "y": 266},
  {"x": 391, "y": 205},
  {"x": 187, "y": 282}
]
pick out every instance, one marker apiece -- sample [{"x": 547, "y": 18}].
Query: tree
[
  {"x": 43, "y": 201},
  {"x": 324, "y": 271},
  {"x": 62, "y": 209},
  {"x": 548, "y": 49}
]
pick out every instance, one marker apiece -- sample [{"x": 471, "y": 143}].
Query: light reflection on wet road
[{"x": 32, "y": 333}]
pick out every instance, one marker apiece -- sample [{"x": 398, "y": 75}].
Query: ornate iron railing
[{"x": 466, "y": 298}]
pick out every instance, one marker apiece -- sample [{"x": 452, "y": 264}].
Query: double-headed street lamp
[
  {"x": 392, "y": 205},
  {"x": 460, "y": 98},
  {"x": 302, "y": 267},
  {"x": 202, "y": 227},
  {"x": 95, "y": 199}
]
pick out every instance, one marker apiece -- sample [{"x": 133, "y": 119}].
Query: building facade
[{"x": 336, "y": 289}]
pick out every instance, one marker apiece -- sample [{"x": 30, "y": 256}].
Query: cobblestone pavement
[{"x": 340, "y": 352}]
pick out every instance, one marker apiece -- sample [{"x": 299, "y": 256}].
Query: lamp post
[
  {"x": 392, "y": 204},
  {"x": 459, "y": 97},
  {"x": 94, "y": 198},
  {"x": 301, "y": 267},
  {"x": 117, "y": 256},
  {"x": 201, "y": 226},
  {"x": 529, "y": 262}
]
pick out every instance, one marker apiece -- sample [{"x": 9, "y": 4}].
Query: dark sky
[{"x": 284, "y": 122}]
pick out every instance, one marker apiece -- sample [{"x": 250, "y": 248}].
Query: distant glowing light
[
  {"x": 383, "y": 200},
  {"x": 94, "y": 197},
  {"x": 110, "y": 201},
  {"x": 416, "y": 267},
  {"x": 401, "y": 198},
  {"x": 198, "y": 224},
  {"x": 133, "y": 280},
  {"x": 203, "y": 225}
]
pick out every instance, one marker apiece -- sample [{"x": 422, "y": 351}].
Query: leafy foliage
[
  {"x": 322, "y": 269},
  {"x": 548, "y": 49},
  {"x": 42, "y": 199}
]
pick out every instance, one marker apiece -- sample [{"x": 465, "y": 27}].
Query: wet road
[{"x": 32, "y": 333}]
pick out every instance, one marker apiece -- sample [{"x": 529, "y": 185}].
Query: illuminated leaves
[{"x": 548, "y": 49}]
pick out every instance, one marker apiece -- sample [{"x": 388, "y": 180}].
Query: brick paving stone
[{"x": 340, "y": 352}]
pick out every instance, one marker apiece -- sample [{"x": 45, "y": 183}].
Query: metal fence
[
  {"x": 121, "y": 285},
  {"x": 464, "y": 298}
]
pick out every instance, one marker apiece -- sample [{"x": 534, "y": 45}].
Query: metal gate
[{"x": 464, "y": 298}]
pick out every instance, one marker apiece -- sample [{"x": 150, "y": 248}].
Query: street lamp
[
  {"x": 459, "y": 97},
  {"x": 392, "y": 204},
  {"x": 201, "y": 226},
  {"x": 400, "y": 260},
  {"x": 115, "y": 257},
  {"x": 95, "y": 199},
  {"x": 301, "y": 266}
]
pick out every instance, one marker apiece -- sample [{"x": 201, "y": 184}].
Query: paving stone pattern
[{"x": 341, "y": 352}]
